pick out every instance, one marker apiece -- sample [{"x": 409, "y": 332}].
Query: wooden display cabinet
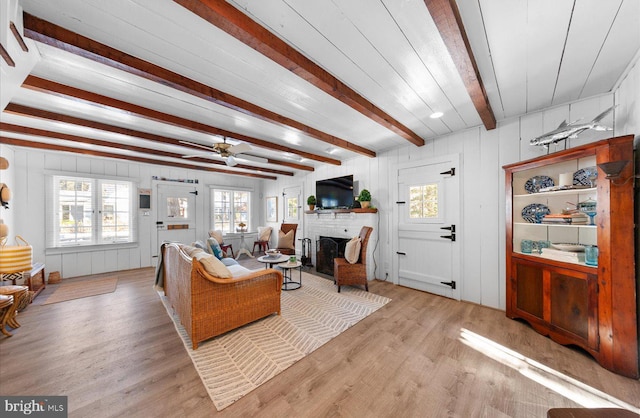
[{"x": 593, "y": 307}]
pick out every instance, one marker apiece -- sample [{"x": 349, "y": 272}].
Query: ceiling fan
[{"x": 226, "y": 151}]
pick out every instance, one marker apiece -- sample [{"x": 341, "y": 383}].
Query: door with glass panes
[
  {"x": 427, "y": 213},
  {"x": 176, "y": 209}
]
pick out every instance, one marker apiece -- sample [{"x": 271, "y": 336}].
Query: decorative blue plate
[
  {"x": 535, "y": 183},
  {"x": 585, "y": 176},
  {"x": 529, "y": 212}
]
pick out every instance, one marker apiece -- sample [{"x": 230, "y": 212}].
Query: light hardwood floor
[{"x": 118, "y": 355}]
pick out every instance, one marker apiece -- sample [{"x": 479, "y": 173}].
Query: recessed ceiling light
[
  {"x": 331, "y": 150},
  {"x": 436, "y": 115}
]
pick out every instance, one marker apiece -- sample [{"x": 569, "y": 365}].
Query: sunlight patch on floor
[{"x": 562, "y": 384}]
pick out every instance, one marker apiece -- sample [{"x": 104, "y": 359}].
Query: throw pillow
[
  {"x": 352, "y": 250},
  {"x": 213, "y": 266},
  {"x": 264, "y": 233},
  {"x": 217, "y": 235},
  {"x": 199, "y": 244},
  {"x": 190, "y": 250},
  {"x": 215, "y": 248},
  {"x": 285, "y": 240}
]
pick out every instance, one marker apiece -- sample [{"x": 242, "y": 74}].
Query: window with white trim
[
  {"x": 90, "y": 211},
  {"x": 229, "y": 209},
  {"x": 424, "y": 201}
]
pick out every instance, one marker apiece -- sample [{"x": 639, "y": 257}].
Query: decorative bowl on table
[{"x": 272, "y": 253}]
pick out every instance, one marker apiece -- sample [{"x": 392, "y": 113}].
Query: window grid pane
[
  {"x": 292, "y": 207},
  {"x": 75, "y": 209},
  {"x": 230, "y": 208},
  {"x": 76, "y": 221},
  {"x": 116, "y": 204},
  {"x": 423, "y": 201}
]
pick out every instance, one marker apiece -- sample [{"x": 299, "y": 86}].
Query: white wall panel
[
  {"x": 97, "y": 262},
  {"x": 97, "y": 166},
  {"x": 627, "y": 115},
  {"x": 111, "y": 260},
  {"x": 491, "y": 184},
  {"x": 8, "y": 177},
  {"x": 470, "y": 234}
]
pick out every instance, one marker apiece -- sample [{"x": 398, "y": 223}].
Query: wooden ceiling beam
[
  {"x": 91, "y": 141},
  {"x": 27, "y": 111},
  {"x": 56, "y": 36},
  {"x": 52, "y": 147},
  {"x": 231, "y": 20},
  {"x": 129, "y": 109},
  {"x": 447, "y": 18}
]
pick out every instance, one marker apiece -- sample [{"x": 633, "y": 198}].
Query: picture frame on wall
[{"x": 272, "y": 209}]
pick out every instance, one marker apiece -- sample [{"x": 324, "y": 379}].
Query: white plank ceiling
[{"x": 531, "y": 54}]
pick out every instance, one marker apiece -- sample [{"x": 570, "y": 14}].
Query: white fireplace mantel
[{"x": 343, "y": 225}]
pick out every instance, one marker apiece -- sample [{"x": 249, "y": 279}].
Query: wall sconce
[{"x": 613, "y": 169}]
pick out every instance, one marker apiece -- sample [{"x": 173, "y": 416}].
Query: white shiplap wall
[
  {"x": 483, "y": 153},
  {"x": 28, "y": 208}
]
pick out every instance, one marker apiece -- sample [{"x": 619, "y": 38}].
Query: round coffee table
[
  {"x": 269, "y": 262},
  {"x": 288, "y": 283}
]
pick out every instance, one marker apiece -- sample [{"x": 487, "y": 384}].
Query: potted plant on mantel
[
  {"x": 311, "y": 201},
  {"x": 364, "y": 198}
]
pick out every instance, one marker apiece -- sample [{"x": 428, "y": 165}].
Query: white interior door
[
  {"x": 176, "y": 209},
  {"x": 427, "y": 246},
  {"x": 292, "y": 204}
]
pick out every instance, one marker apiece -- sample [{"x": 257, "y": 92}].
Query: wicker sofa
[{"x": 207, "y": 305}]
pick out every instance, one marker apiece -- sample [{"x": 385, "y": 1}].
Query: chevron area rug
[{"x": 233, "y": 364}]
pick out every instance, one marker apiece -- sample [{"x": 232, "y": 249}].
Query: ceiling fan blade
[
  {"x": 197, "y": 145},
  {"x": 253, "y": 158},
  {"x": 239, "y": 148}
]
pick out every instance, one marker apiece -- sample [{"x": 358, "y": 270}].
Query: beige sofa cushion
[
  {"x": 352, "y": 250},
  {"x": 212, "y": 265}
]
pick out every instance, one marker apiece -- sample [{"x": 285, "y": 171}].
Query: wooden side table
[
  {"x": 6, "y": 302},
  {"x": 19, "y": 294}
]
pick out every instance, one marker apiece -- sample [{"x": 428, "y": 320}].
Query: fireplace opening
[{"x": 328, "y": 248}]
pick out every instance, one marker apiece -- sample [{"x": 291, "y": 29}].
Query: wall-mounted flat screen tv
[{"x": 335, "y": 193}]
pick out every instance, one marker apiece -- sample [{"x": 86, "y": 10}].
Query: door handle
[
  {"x": 452, "y": 237},
  {"x": 451, "y": 283},
  {"x": 400, "y": 253},
  {"x": 451, "y": 228}
]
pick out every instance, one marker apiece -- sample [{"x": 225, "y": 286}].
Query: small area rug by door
[
  {"x": 233, "y": 364},
  {"x": 82, "y": 289}
]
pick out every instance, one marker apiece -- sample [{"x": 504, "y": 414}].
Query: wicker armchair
[
  {"x": 286, "y": 228},
  {"x": 345, "y": 273}
]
